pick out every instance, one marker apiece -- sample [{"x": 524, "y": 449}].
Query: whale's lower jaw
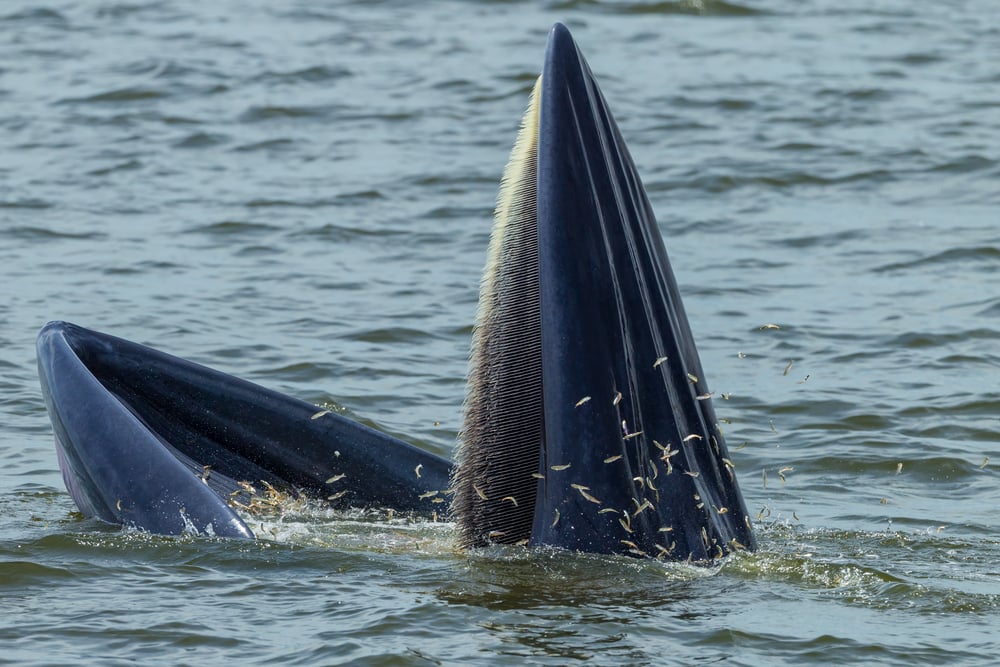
[
  {"x": 589, "y": 424},
  {"x": 150, "y": 440}
]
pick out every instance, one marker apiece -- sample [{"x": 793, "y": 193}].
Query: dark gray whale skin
[
  {"x": 135, "y": 428},
  {"x": 614, "y": 329},
  {"x": 631, "y": 459}
]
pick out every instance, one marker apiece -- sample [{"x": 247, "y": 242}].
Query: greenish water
[{"x": 300, "y": 194}]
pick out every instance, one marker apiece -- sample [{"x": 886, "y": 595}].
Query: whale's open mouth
[{"x": 588, "y": 422}]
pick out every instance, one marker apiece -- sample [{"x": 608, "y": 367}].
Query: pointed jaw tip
[
  {"x": 114, "y": 468},
  {"x": 560, "y": 38}
]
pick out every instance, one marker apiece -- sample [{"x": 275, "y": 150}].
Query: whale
[{"x": 588, "y": 422}]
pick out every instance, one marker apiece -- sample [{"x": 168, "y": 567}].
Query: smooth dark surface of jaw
[
  {"x": 135, "y": 429},
  {"x": 613, "y": 323}
]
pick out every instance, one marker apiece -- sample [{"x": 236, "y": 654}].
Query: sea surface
[{"x": 300, "y": 193}]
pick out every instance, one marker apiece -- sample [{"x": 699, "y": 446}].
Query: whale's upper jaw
[{"x": 588, "y": 423}]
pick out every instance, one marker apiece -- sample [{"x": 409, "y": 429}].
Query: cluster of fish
[{"x": 588, "y": 424}]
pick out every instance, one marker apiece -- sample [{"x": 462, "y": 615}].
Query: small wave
[
  {"x": 390, "y": 335},
  {"x": 233, "y": 228},
  {"x": 338, "y": 200},
  {"x": 988, "y": 406},
  {"x": 268, "y": 145},
  {"x": 919, "y": 59},
  {"x": 515, "y": 577},
  {"x": 724, "y": 103},
  {"x": 128, "y": 165},
  {"x": 823, "y": 240},
  {"x": 176, "y": 120},
  {"x": 927, "y": 469},
  {"x": 922, "y": 339},
  {"x": 36, "y": 204},
  {"x": 257, "y": 114},
  {"x": 853, "y": 422},
  {"x": 719, "y": 183},
  {"x": 44, "y": 233},
  {"x": 287, "y": 203},
  {"x": 146, "y": 267},
  {"x": 455, "y": 213},
  {"x": 993, "y": 310},
  {"x": 800, "y": 146},
  {"x": 18, "y": 573},
  {"x": 332, "y": 232},
  {"x": 202, "y": 140},
  {"x": 314, "y": 74},
  {"x": 965, "y": 164},
  {"x": 300, "y": 372},
  {"x": 36, "y": 15},
  {"x": 685, "y": 7},
  {"x": 122, "y": 10},
  {"x": 118, "y": 95},
  {"x": 858, "y": 94},
  {"x": 845, "y": 565}
]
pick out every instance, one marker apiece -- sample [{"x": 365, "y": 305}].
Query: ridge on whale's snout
[{"x": 589, "y": 424}]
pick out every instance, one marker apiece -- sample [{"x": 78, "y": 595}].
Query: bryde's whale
[{"x": 588, "y": 422}]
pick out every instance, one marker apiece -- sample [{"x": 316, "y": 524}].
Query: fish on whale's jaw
[{"x": 588, "y": 421}]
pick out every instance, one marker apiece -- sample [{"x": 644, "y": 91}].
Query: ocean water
[{"x": 300, "y": 193}]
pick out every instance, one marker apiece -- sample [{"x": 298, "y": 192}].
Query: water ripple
[
  {"x": 301, "y": 194},
  {"x": 661, "y": 7}
]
